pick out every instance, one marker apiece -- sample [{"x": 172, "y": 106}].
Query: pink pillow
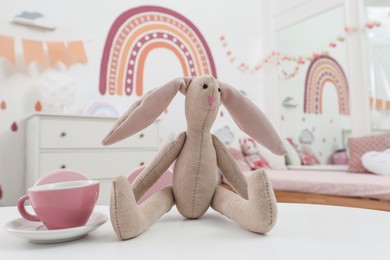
[{"x": 360, "y": 145}]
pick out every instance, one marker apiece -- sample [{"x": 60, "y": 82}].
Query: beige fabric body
[{"x": 198, "y": 156}]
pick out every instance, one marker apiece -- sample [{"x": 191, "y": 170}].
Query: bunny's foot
[
  {"x": 130, "y": 219},
  {"x": 258, "y": 213}
]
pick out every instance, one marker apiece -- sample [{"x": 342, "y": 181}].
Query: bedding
[
  {"x": 324, "y": 184},
  {"x": 337, "y": 183},
  {"x": 360, "y": 145},
  {"x": 377, "y": 162}
]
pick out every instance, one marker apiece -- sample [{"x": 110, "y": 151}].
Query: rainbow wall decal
[
  {"x": 321, "y": 71},
  {"x": 137, "y": 32}
]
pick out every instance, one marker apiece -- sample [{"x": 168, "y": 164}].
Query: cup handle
[{"x": 23, "y": 211}]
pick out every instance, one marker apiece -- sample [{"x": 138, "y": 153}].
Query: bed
[
  {"x": 322, "y": 184},
  {"x": 341, "y": 188},
  {"x": 338, "y": 188}
]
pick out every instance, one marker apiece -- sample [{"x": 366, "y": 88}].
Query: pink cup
[{"x": 61, "y": 205}]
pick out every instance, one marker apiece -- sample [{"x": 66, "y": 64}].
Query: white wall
[{"x": 240, "y": 21}]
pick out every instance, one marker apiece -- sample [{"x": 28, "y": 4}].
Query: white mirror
[
  {"x": 314, "y": 89},
  {"x": 378, "y": 37}
]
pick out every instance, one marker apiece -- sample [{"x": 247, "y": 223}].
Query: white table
[{"x": 302, "y": 232}]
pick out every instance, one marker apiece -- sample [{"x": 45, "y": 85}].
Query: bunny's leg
[
  {"x": 254, "y": 207},
  {"x": 130, "y": 219},
  {"x": 258, "y": 213}
]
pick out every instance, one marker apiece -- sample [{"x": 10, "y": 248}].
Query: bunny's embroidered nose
[{"x": 211, "y": 100}]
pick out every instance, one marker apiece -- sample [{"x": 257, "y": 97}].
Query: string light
[{"x": 276, "y": 58}]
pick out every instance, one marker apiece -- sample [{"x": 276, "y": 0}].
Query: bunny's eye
[
  {"x": 219, "y": 90},
  {"x": 205, "y": 86}
]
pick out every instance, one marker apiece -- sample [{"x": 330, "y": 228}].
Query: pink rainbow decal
[
  {"x": 137, "y": 32},
  {"x": 321, "y": 71}
]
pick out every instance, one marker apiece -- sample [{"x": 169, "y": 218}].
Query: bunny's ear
[
  {"x": 251, "y": 119},
  {"x": 145, "y": 110}
]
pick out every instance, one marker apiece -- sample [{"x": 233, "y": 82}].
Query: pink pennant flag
[
  {"x": 7, "y": 48},
  {"x": 57, "y": 53},
  {"x": 33, "y": 51},
  {"x": 77, "y": 52}
]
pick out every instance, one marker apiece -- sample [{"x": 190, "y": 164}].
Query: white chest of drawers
[{"x": 74, "y": 142}]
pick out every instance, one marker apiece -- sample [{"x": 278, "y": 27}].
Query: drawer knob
[
  {"x": 141, "y": 135},
  {"x": 63, "y": 166},
  {"x": 63, "y": 134},
  {"x": 141, "y": 164}
]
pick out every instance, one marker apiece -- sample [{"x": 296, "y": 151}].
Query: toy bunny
[
  {"x": 198, "y": 155},
  {"x": 251, "y": 154}
]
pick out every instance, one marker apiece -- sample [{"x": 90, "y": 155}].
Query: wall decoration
[
  {"x": 321, "y": 71},
  {"x": 7, "y": 48},
  {"x": 38, "y": 106},
  {"x": 57, "y": 53},
  {"x": 306, "y": 137},
  {"x": 66, "y": 52},
  {"x": 14, "y": 127},
  {"x": 33, "y": 51},
  {"x": 33, "y": 19},
  {"x": 225, "y": 134},
  {"x": 58, "y": 92},
  {"x": 275, "y": 57},
  {"x": 379, "y": 104},
  {"x": 289, "y": 102},
  {"x": 77, "y": 52},
  {"x": 99, "y": 108},
  {"x": 138, "y": 31}
]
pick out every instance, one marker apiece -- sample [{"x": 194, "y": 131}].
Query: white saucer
[{"x": 36, "y": 232}]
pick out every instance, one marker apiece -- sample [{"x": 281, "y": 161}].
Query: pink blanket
[{"x": 332, "y": 183}]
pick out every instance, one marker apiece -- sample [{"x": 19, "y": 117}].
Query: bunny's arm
[
  {"x": 158, "y": 166},
  {"x": 229, "y": 168}
]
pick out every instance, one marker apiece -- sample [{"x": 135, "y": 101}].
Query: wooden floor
[{"x": 310, "y": 198}]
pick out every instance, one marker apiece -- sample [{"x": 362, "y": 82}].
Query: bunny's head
[
  {"x": 204, "y": 95},
  {"x": 202, "y": 102}
]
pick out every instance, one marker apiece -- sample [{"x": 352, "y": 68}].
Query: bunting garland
[
  {"x": 57, "y": 53},
  {"x": 67, "y": 53},
  {"x": 379, "y": 104},
  {"x": 77, "y": 52},
  {"x": 277, "y": 58}
]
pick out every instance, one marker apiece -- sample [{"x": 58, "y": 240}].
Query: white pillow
[
  {"x": 377, "y": 162},
  {"x": 276, "y": 162}
]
